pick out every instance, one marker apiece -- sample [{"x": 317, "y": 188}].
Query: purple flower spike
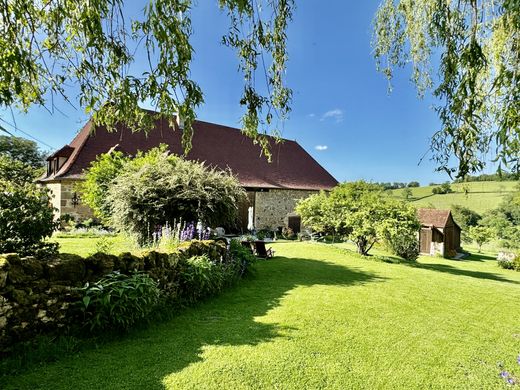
[
  {"x": 518, "y": 359},
  {"x": 511, "y": 381},
  {"x": 504, "y": 374}
]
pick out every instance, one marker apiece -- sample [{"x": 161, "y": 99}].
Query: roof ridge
[{"x": 275, "y": 138}]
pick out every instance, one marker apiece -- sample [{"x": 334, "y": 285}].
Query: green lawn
[
  {"x": 483, "y": 195},
  {"x": 85, "y": 246},
  {"x": 317, "y": 317}
]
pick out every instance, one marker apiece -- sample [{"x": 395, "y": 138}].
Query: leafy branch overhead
[
  {"x": 58, "y": 46},
  {"x": 478, "y": 82}
]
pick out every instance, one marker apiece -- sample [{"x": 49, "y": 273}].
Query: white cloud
[
  {"x": 321, "y": 147},
  {"x": 311, "y": 115},
  {"x": 335, "y": 114}
]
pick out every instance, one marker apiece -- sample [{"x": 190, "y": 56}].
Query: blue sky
[{"x": 342, "y": 112}]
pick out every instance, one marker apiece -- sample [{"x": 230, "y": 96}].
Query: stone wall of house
[
  {"x": 80, "y": 211},
  {"x": 273, "y": 207},
  {"x": 55, "y": 189},
  {"x": 42, "y": 296},
  {"x": 62, "y": 200}
]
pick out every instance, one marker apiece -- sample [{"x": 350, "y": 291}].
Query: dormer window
[{"x": 56, "y": 160}]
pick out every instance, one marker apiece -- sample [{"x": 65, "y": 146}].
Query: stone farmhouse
[{"x": 272, "y": 188}]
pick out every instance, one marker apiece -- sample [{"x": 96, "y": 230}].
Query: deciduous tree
[
  {"x": 480, "y": 235},
  {"x": 365, "y": 214}
]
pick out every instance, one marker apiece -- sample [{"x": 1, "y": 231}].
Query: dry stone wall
[{"x": 40, "y": 296}]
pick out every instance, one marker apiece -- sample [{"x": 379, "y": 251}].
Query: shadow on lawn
[
  {"x": 146, "y": 358},
  {"x": 463, "y": 272},
  {"x": 475, "y": 256}
]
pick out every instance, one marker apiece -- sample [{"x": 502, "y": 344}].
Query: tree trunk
[{"x": 361, "y": 246}]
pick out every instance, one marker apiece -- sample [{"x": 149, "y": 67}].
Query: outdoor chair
[
  {"x": 262, "y": 251},
  {"x": 249, "y": 246}
]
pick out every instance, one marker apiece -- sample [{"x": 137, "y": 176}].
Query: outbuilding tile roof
[{"x": 433, "y": 217}]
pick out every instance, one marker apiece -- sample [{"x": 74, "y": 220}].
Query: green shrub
[
  {"x": 513, "y": 264},
  {"x": 155, "y": 188},
  {"x": 104, "y": 245},
  {"x": 464, "y": 216},
  {"x": 511, "y": 237},
  {"x": 405, "y": 246},
  {"x": 506, "y": 263},
  {"x": 264, "y": 233},
  {"x": 240, "y": 258},
  {"x": 26, "y": 219},
  {"x": 444, "y": 188},
  {"x": 98, "y": 178},
  {"x": 201, "y": 278},
  {"x": 399, "y": 228},
  {"x": 118, "y": 301}
]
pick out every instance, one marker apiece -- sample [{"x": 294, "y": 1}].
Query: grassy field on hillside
[
  {"x": 318, "y": 317},
  {"x": 482, "y": 196}
]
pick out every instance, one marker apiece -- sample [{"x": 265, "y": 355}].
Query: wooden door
[
  {"x": 425, "y": 237},
  {"x": 295, "y": 223}
]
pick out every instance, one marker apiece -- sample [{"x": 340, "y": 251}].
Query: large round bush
[
  {"x": 155, "y": 188},
  {"x": 26, "y": 219},
  {"x": 399, "y": 229}
]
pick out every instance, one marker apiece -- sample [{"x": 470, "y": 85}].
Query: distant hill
[{"x": 482, "y": 196}]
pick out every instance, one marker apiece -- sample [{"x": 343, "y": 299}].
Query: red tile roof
[
  {"x": 216, "y": 145},
  {"x": 433, "y": 217},
  {"x": 66, "y": 151}
]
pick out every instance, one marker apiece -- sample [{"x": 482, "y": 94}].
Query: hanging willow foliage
[
  {"x": 51, "y": 47},
  {"x": 476, "y": 44}
]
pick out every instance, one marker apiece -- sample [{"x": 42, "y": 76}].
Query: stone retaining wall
[{"x": 40, "y": 296}]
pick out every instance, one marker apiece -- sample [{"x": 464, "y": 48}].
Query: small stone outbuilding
[
  {"x": 272, "y": 188},
  {"x": 440, "y": 234}
]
